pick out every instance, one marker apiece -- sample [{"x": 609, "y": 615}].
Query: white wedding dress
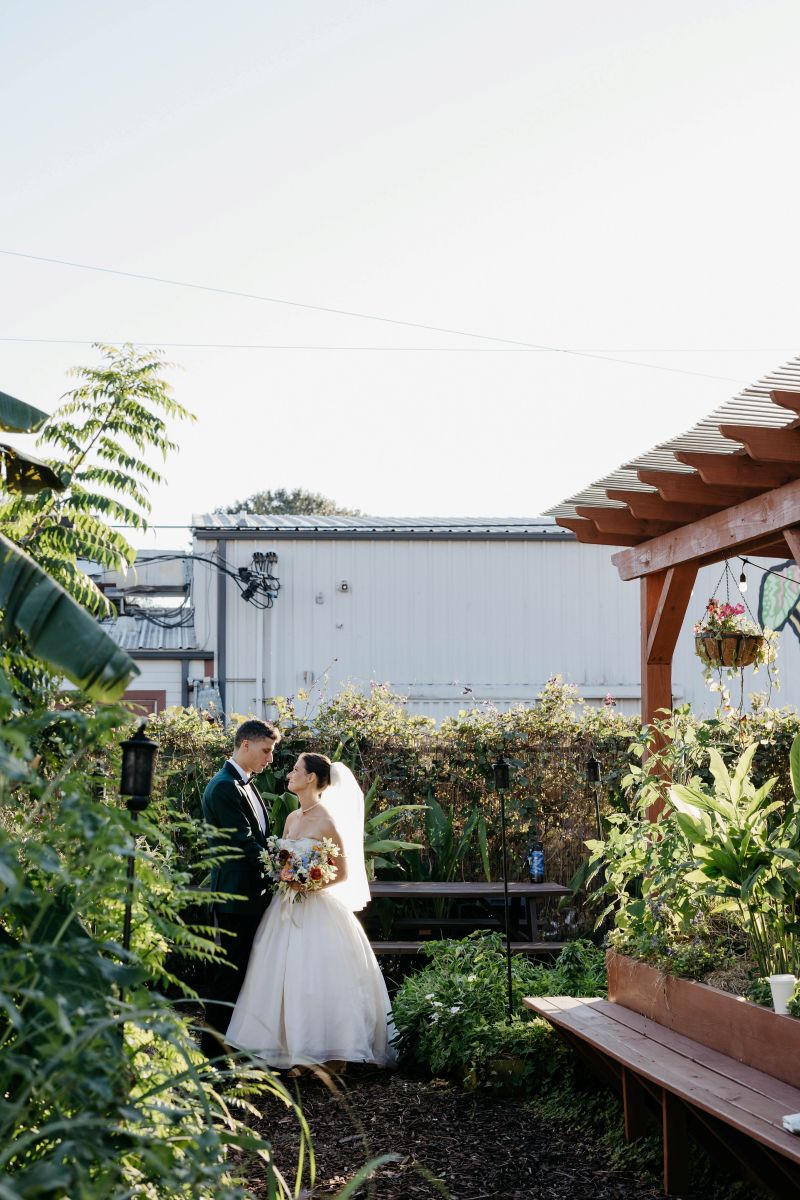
[{"x": 313, "y": 992}]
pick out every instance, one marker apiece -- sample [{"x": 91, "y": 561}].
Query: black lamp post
[
  {"x": 593, "y": 783},
  {"x": 501, "y": 781},
  {"x": 136, "y": 784}
]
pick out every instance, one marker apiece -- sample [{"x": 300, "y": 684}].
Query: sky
[{"x": 614, "y": 184}]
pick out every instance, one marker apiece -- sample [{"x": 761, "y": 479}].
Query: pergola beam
[
  {"x": 689, "y": 488},
  {"x": 738, "y": 470},
  {"x": 715, "y": 537},
  {"x": 588, "y": 534},
  {"x": 792, "y": 537},
  {"x": 766, "y": 445},
  {"x": 648, "y": 506},
  {"x": 667, "y": 618},
  {"x": 621, "y": 520},
  {"x": 790, "y": 400}
]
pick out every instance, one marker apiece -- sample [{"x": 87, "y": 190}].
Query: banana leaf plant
[
  {"x": 58, "y": 630},
  {"x": 746, "y": 850},
  {"x": 377, "y": 825}
]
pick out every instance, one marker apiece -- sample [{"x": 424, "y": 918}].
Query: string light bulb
[{"x": 743, "y": 580}]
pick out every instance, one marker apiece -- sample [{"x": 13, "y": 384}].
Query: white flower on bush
[
  {"x": 430, "y": 995},
  {"x": 471, "y": 978},
  {"x": 456, "y": 1008}
]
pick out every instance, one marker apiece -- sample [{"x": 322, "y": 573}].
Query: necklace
[{"x": 303, "y": 811}]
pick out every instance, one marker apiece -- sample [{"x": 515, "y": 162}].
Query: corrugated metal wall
[{"x": 433, "y": 617}]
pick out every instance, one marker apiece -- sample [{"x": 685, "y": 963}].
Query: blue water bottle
[{"x": 536, "y": 861}]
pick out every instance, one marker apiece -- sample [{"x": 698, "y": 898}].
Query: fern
[{"x": 104, "y": 436}]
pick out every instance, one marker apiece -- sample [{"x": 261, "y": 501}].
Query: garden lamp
[
  {"x": 593, "y": 782},
  {"x": 136, "y": 784},
  {"x": 501, "y": 781}
]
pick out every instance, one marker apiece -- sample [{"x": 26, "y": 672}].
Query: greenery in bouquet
[{"x": 295, "y": 871}]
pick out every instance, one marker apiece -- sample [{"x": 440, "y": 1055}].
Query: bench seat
[
  {"x": 414, "y": 947},
  {"x": 731, "y": 1105}
]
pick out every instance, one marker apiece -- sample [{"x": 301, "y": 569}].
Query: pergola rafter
[{"x": 729, "y": 486}]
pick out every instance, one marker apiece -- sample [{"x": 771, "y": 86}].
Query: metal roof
[
  {"x": 137, "y": 633},
  {"x": 751, "y": 406},
  {"x": 287, "y": 524}
]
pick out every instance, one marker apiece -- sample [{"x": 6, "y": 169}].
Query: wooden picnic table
[{"x": 526, "y": 941}]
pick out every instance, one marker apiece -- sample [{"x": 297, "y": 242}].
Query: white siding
[
  {"x": 431, "y": 617},
  {"x": 159, "y": 675}
]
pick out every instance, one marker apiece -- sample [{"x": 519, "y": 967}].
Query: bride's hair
[{"x": 319, "y": 765}]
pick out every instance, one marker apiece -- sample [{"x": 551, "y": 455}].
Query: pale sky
[{"x": 618, "y": 178}]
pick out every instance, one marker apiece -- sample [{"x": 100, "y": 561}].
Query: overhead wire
[{"x": 362, "y": 316}]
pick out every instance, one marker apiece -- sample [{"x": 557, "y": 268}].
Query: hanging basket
[{"x": 728, "y": 649}]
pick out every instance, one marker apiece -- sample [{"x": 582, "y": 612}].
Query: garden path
[{"x": 480, "y": 1146}]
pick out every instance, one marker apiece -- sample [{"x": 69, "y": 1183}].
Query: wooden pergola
[{"x": 729, "y": 486}]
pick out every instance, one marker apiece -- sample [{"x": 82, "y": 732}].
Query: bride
[{"x": 314, "y": 992}]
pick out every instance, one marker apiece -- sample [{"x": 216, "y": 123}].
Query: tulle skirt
[{"x": 313, "y": 992}]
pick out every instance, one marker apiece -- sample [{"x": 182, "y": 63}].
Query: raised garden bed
[{"x": 734, "y": 1026}]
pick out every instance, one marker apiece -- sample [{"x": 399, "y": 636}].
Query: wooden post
[
  {"x": 792, "y": 537},
  {"x": 676, "y": 1162},
  {"x": 634, "y": 1101},
  {"x": 665, "y": 598}
]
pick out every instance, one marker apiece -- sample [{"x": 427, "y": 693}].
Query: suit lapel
[{"x": 249, "y": 794}]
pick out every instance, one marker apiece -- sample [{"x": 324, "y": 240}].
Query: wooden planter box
[{"x": 746, "y": 1032}]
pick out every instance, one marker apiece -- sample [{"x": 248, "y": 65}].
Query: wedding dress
[{"x": 314, "y": 992}]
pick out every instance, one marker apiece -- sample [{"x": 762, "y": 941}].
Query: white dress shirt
[{"x": 253, "y": 800}]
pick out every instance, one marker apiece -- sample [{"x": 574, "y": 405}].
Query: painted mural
[{"x": 779, "y": 598}]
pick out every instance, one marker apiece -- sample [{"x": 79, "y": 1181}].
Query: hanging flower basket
[
  {"x": 731, "y": 650},
  {"x": 726, "y": 640}
]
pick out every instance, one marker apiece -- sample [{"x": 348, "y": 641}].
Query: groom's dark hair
[{"x": 255, "y": 731}]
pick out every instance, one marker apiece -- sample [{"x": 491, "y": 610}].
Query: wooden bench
[
  {"x": 731, "y": 1106},
  {"x": 415, "y": 947}
]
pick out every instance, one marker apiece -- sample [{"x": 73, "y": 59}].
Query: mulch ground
[{"x": 450, "y": 1143}]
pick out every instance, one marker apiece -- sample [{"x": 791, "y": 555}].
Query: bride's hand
[{"x": 297, "y": 887}]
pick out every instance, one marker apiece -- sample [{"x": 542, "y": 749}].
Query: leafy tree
[
  {"x": 295, "y": 501},
  {"x": 104, "y": 433},
  {"x": 40, "y": 621}
]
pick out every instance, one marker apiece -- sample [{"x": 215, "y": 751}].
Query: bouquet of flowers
[{"x": 287, "y": 866}]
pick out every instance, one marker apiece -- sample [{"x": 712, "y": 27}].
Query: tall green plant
[
  {"x": 32, "y": 603},
  {"x": 104, "y": 436},
  {"x": 746, "y": 848},
  {"x": 105, "y": 1094}
]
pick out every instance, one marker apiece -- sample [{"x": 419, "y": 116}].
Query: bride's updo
[{"x": 319, "y": 765}]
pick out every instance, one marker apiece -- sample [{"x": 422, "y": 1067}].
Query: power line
[
  {"x": 352, "y": 313},
  {"x": 202, "y": 287}
]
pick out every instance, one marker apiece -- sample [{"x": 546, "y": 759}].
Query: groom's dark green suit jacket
[{"x": 226, "y": 806}]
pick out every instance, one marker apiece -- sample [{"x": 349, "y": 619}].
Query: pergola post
[{"x": 665, "y": 598}]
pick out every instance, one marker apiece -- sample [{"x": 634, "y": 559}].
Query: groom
[{"x": 231, "y": 802}]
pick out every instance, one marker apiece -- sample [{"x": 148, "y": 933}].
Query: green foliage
[
  {"x": 746, "y": 855},
  {"x": 758, "y": 991},
  {"x": 57, "y": 629},
  {"x": 103, "y": 434},
  {"x": 297, "y": 501},
  {"x": 379, "y": 828},
  {"x": 31, "y": 602},
  {"x": 451, "y": 1016},
  {"x": 105, "y": 1093},
  {"x": 715, "y": 875}
]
